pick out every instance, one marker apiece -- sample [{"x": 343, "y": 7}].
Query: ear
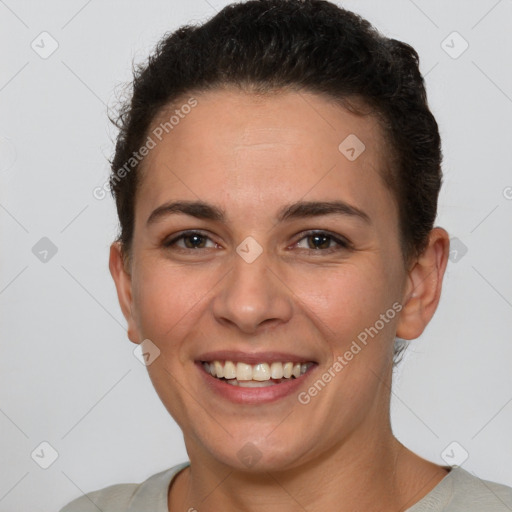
[
  {"x": 123, "y": 282},
  {"x": 423, "y": 287}
]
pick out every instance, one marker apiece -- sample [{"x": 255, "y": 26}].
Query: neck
[{"x": 380, "y": 474}]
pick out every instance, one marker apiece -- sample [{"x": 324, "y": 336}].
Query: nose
[{"x": 252, "y": 295}]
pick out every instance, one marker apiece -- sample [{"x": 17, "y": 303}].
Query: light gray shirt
[{"x": 458, "y": 491}]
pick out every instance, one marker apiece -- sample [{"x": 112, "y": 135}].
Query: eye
[
  {"x": 323, "y": 242},
  {"x": 191, "y": 240},
  {"x": 317, "y": 241}
]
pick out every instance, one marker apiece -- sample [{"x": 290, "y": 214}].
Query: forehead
[{"x": 234, "y": 143}]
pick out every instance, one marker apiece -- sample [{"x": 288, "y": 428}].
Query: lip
[
  {"x": 253, "y": 357},
  {"x": 254, "y": 396}
]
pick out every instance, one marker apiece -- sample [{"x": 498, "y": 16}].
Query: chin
[{"x": 244, "y": 453}]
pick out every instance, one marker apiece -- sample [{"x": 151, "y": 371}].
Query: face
[{"x": 260, "y": 273}]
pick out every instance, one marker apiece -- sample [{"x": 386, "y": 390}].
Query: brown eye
[
  {"x": 191, "y": 240},
  {"x": 319, "y": 241},
  {"x": 322, "y": 241}
]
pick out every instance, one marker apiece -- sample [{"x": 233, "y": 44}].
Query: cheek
[
  {"x": 346, "y": 303},
  {"x": 167, "y": 298}
]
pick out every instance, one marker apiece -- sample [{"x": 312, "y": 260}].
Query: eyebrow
[{"x": 298, "y": 210}]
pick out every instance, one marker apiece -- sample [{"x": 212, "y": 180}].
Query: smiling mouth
[{"x": 255, "y": 375}]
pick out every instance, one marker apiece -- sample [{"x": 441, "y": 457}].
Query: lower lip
[{"x": 242, "y": 395}]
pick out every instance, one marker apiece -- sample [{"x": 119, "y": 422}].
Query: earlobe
[
  {"x": 424, "y": 284},
  {"x": 123, "y": 283}
]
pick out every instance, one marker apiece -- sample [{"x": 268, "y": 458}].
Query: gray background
[{"x": 68, "y": 373}]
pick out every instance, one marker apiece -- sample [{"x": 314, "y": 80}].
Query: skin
[{"x": 250, "y": 155}]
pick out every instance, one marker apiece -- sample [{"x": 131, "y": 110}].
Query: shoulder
[
  {"x": 473, "y": 493},
  {"x": 115, "y": 498},
  {"x": 462, "y": 491},
  {"x": 149, "y": 495}
]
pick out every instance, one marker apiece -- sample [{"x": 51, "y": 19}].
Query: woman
[{"x": 276, "y": 177}]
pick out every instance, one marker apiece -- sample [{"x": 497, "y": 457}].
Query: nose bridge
[{"x": 252, "y": 294}]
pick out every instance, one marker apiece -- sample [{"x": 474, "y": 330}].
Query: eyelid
[
  {"x": 169, "y": 242},
  {"x": 341, "y": 241}
]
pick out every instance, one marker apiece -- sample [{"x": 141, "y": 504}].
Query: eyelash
[{"x": 342, "y": 243}]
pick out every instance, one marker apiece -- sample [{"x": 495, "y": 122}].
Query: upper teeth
[{"x": 260, "y": 371}]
